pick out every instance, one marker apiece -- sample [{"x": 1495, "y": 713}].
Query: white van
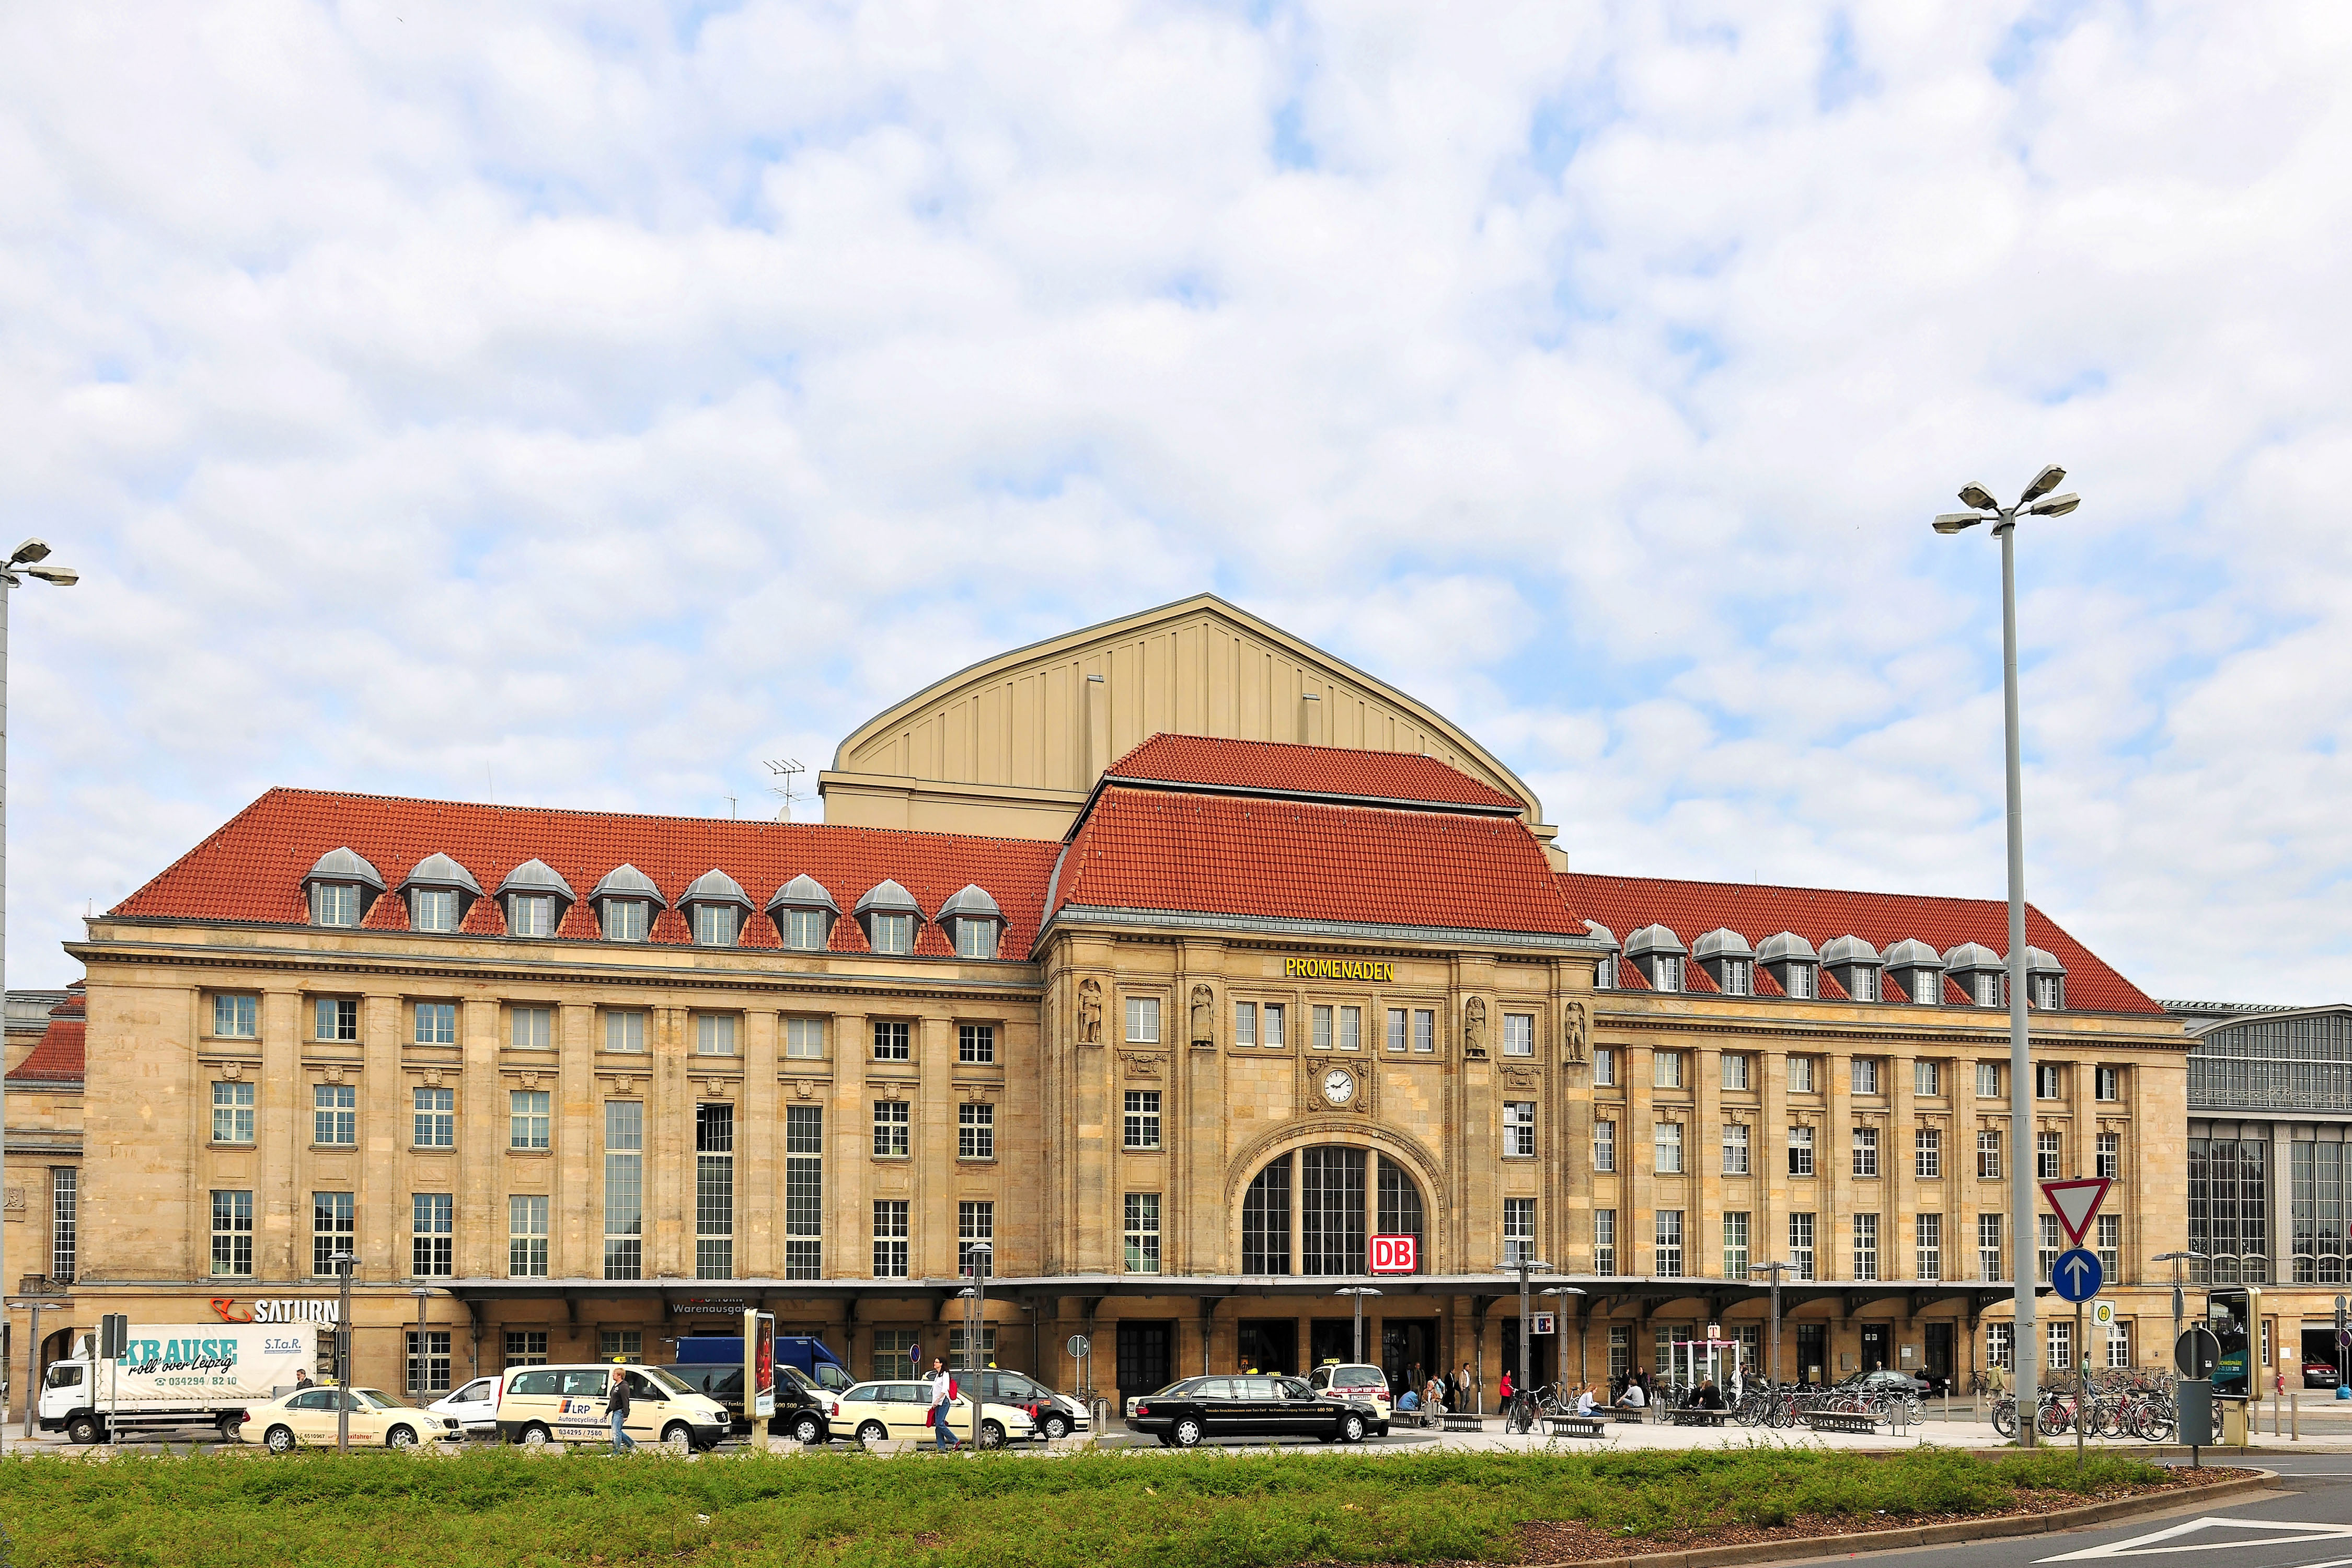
[{"x": 572, "y": 1403}]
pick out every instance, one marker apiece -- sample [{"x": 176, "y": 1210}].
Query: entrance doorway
[
  {"x": 1812, "y": 1352},
  {"x": 1939, "y": 1367},
  {"x": 1271, "y": 1345},
  {"x": 1539, "y": 1357},
  {"x": 1876, "y": 1338},
  {"x": 1332, "y": 1338},
  {"x": 1143, "y": 1355},
  {"x": 1406, "y": 1345}
]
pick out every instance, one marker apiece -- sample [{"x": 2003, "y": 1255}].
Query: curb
[{"x": 1934, "y": 1534}]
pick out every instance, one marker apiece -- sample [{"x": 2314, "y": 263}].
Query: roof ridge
[{"x": 1792, "y": 887}]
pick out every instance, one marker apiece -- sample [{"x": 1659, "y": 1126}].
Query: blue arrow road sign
[{"x": 2076, "y": 1275}]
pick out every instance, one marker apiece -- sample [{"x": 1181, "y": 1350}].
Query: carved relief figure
[
  {"x": 1203, "y": 1016},
  {"x": 1090, "y": 1011},
  {"x": 1571, "y": 1032},
  {"x": 1474, "y": 1028}
]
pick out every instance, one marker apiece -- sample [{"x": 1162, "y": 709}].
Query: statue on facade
[
  {"x": 1205, "y": 1029},
  {"x": 1474, "y": 1028},
  {"x": 1571, "y": 1032},
  {"x": 1090, "y": 1011}
]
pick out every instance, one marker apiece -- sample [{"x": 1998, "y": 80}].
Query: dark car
[
  {"x": 1051, "y": 1415},
  {"x": 2318, "y": 1375},
  {"x": 1884, "y": 1380},
  {"x": 1185, "y": 1414},
  {"x": 800, "y": 1406}
]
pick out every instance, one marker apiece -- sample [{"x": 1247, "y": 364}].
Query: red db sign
[{"x": 1395, "y": 1254}]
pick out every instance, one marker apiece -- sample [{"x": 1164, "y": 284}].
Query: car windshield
[
  {"x": 663, "y": 1381},
  {"x": 796, "y": 1377},
  {"x": 377, "y": 1399},
  {"x": 1182, "y": 1385}
]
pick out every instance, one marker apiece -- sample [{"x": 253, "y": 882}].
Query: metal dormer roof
[
  {"x": 716, "y": 886},
  {"x": 886, "y": 897},
  {"x": 1844, "y": 950},
  {"x": 1601, "y": 932},
  {"x": 1652, "y": 939},
  {"x": 1971, "y": 956},
  {"x": 2040, "y": 962},
  {"x": 803, "y": 893},
  {"x": 344, "y": 864},
  {"x": 1913, "y": 953},
  {"x": 972, "y": 903},
  {"x": 537, "y": 877},
  {"x": 440, "y": 871},
  {"x": 625, "y": 881},
  {"x": 1786, "y": 947},
  {"x": 1721, "y": 942}
]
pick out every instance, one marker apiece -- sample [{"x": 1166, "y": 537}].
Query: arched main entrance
[{"x": 1315, "y": 1210}]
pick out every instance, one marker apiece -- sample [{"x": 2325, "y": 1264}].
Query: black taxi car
[
  {"x": 800, "y": 1406},
  {"x": 1195, "y": 1409}
]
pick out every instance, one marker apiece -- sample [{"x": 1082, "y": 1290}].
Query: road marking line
[{"x": 2298, "y": 1532}]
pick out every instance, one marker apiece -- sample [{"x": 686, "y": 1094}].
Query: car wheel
[
  {"x": 992, "y": 1433},
  {"x": 874, "y": 1432},
  {"x": 1055, "y": 1427},
  {"x": 533, "y": 1437},
  {"x": 1186, "y": 1432},
  {"x": 400, "y": 1438},
  {"x": 808, "y": 1429},
  {"x": 281, "y": 1439},
  {"x": 84, "y": 1430},
  {"x": 1352, "y": 1428},
  {"x": 678, "y": 1438}
]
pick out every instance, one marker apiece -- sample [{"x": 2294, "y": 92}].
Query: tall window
[
  {"x": 1245, "y": 1024},
  {"x": 1928, "y": 1228},
  {"x": 338, "y": 1018},
  {"x": 1670, "y": 1244},
  {"x": 528, "y": 1119},
  {"x": 1669, "y": 1139},
  {"x": 1351, "y": 1028},
  {"x": 1800, "y": 1244},
  {"x": 1519, "y": 1128},
  {"x": 527, "y": 1237},
  {"x": 625, "y": 919},
  {"x": 803, "y": 1192},
  {"x": 1605, "y": 1146},
  {"x": 1801, "y": 1151},
  {"x": 624, "y": 1030},
  {"x": 1424, "y": 1029},
  {"x": 530, "y": 914},
  {"x": 334, "y": 1114},
  {"x": 436, "y": 1023},
  {"x": 334, "y": 1229},
  {"x": 890, "y": 1238},
  {"x": 891, "y": 1040},
  {"x": 624, "y": 1189},
  {"x": 975, "y": 1042},
  {"x": 532, "y": 1028},
  {"x": 1925, "y": 1080},
  {"x": 975, "y": 1223},
  {"x": 1988, "y": 1155},
  {"x": 2045, "y": 1256},
  {"x": 714, "y": 1035},
  {"x": 1276, "y": 1017},
  {"x": 1866, "y": 1150},
  {"x": 804, "y": 1039},
  {"x": 1988, "y": 1247},
  {"x": 432, "y": 1243},
  {"x": 64, "y": 1208},
  {"x": 1865, "y": 1075},
  {"x": 526, "y": 1347},
  {"x": 1143, "y": 1021},
  {"x": 890, "y": 1127},
  {"x": 1604, "y": 1067},
  {"x": 1866, "y": 1247},
  {"x": 2046, "y": 1084},
  {"x": 1143, "y": 1232},
  {"x": 2109, "y": 1153},
  {"x": 1666, "y": 1069},
  {"x": 1604, "y": 1241},
  {"x": 975, "y": 1131},
  {"x": 1988, "y": 1080},
  {"x": 2000, "y": 1345},
  {"x": 2229, "y": 1208},
  {"x": 232, "y": 1232},
  {"x": 2047, "y": 1153},
  {"x": 236, "y": 1017},
  {"x": 1265, "y": 1221},
  {"x": 2061, "y": 1344},
  {"x": 1928, "y": 1154},
  {"x": 1518, "y": 1034},
  {"x": 2110, "y": 1239},
  {"x": 1331, "y": 1210},
  {"x": 1735, "y": 1246},
  {"x": 1399, "y": 1029},
  {"x": 1735, "y": 1071},
  {"x": 714, "y": 1191},
  {"x": 1321, "y": 1026},
  {"x": 429, "y": 1365},
  {"x": 715, "y": 926},
  {"x": 1801, "y": 1075},
  {"x": 437, "y": 1118},
  {"x": 2108, "y": 1083},
  {"x": 233, "y": 1113},
  {"x": 1143, "y": 1125},
  {"x": 1735, "y": 1149},
  {"x": 1399, "y": 1212},
  {"x": 2119, "y": 1344},
  {"x": 1518, "y": 1229}
]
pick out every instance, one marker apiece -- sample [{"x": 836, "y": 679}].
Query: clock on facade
[{"x": 1338, "y": 1087}]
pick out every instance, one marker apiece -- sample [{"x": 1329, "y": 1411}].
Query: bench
[
  {"x": 1697, "y": 1417},
  {"x": 1620, "y": 1413},
  {"x": 1860, "y": 1421},
  {"x": 1573, "y": 1425},
  {"x": 1463, "y": 1421}
]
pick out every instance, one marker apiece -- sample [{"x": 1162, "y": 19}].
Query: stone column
[
  {"x": 759, "y": 1170},
  {"x": 669, "y": 1148},
  {"x": 283, "y": 1145},
  {"x": 575, "y": 1243}
]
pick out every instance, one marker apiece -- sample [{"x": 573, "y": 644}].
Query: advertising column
[{"x": 759, "y": 1373}]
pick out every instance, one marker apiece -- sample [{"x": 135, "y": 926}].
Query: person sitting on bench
[
  {"x": 1634, "y": 1399},
  {"x": 1584, "y": 1402},
  {"x": 1710, "y": 1396}
]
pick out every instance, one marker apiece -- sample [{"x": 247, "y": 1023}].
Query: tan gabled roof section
[{"x": 1010, "y": 746}]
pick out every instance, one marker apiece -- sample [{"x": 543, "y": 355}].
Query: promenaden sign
[{"x": 1379, "y": 969}]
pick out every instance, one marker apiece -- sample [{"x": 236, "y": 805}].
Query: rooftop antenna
[
  {"x": 731, "y": 807},
  {"x": 789, "y": 769}
]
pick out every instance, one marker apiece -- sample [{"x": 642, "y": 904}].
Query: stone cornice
[{"x": 1995, "y": 1033}]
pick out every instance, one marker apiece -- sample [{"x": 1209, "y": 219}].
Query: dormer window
[
  {"x": 1792, "y": 961},
  {"x": 1605, "y": 968},
  {"x": 1728, "y": 961},
  {"x": 534, "y": 897},
  {"x": 341, "y": 887},
  {"x": 439, "y": 892},
  {"x": 1658, "y": 953},
  {"x": 2045, "y": 980},
  {"x": 1978, "y": 971},
  {"x": 1919, "y": 969},
  {"x": 891, "y": 933},
  {"x": 973, "y": 921},
  {"x": 715, "y": 905},
  {"x": 804, "y": 912},
  {"x": 1854, "y": 965},
  {"x": 625, "y": 900},
  {"x": 715, "y": 925},
  {"x": 433, "y": 909},
  {"x": 530, "y": 914},
  {"x": 889, "y": 915}
]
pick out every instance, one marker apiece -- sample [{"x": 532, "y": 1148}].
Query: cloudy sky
[{"x": 577, "y": 403}]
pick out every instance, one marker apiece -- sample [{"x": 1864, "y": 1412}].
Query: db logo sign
[{"x": 1395, "y": 1254}]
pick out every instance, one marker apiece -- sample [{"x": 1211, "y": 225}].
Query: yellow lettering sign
[{"x": 1371, "y": 969}]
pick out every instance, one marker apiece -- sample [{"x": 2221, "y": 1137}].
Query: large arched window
[{"x": 1324, "y": 1205}]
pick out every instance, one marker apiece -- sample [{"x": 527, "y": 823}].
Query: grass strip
[{"x": 1214, "y": 1509}]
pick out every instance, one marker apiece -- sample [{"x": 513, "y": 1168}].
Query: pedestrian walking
[
  {"x": 616, "y": 1408},
  {"x": 943, "y": 1393}
]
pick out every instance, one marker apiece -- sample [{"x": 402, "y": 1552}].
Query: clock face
[{"x": 1338, "y": 1086}]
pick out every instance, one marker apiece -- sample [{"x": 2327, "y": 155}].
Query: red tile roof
[
  {"x": 1331, "y": 771},
  {"x": 251, "y": 868},
  {"x": 1690, "y": 910},
  {"x": 58, "y": 1059},
  {"x": 1210, "y": 853}
]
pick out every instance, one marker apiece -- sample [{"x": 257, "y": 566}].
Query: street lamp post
[
  {"x": 1523, "y": 1265},
  {"x": 2037, "y": 501},
  {"x": 1776, "y": 1270},
  {"x": 1359, "y": 1292},
  {"x": 24, "y": 562},
  {"x": 978, "y": 1258},
  {"x": 1559, "y": 1294},
  {"x": 2176, "y": 1259},
  {"x": 343, "y": 1262}
]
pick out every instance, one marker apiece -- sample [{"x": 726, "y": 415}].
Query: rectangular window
[
  {"x": 2108, "y": 1084},
  {"x": 2110, "y": 1154},
  {"x": 335, "y": 1115},
  {"x": 2062, "y": 1345},
  {"x": 1735, "y": 1149},
  {"x": 621, "y": 1345},
  {"x": 1928, "y": 1154},
  {"x": 233, "y": 1112},
  {"x": 1666, "y": 1069},
  {"x": 2000, "y": 1345},
  {"x": 1518, "y": 1034},
  {"x": 1925, "y": 1082},
  {"x": 804, "y": 931},
  {"x": 1865, "y": 983},
  {"x": 1928, "y": 1229},
  {"x": 1866, "y": 1247},
  {"x": 1519, "y": 1128},
  {"x": 624, "y": 1189},
  {"x": 804, "y": 1039},
  {"x": 434, "y": 909},
  {"x": 333, "y": 1231},
  {"x": 1604, "y": 1241},
  {"x": 975, "y": 1223},
  {"x": 1866, "y": 1150},
  {"x": 236, "y": 1017},
  {"x": 1988, "y": 1080},
  {"x": 1245, "y": 1024},
  {"x": 891, "y": 934},
  {"x": 1865, "y": 1075},
  {"x": 1988, "y": 989},
  {"x": 2048, "y": 990},
  {"x": 1667, "y": 971},
  {"x": 433, "y": 1244},
  {"x": 2045, "y": 1256},
  {"x": 65, "y": 1210},
  {"x": 1988, "y": 1247},
  {"x": 890, "y": 1128},
  {"x": 976, "y": 1043},
  {"x": 714, "y": 1035},
  {"x": 1319, "y": 1022},
  {"x": 1398, "y": 1030},
  {"x": 2119, "y": 1345},
  {"x": 338, "y": 1018},
  {"x": 530, "y": 914},
  {"x": 429, "y": 1365},
  {"x": 975, "y": 938},
  {"x": 1669, "y": 1141},
  {"x": 1143, "y": 1021},
  {"x": 1669, "y": 1251},
  {"x": 714, "y": 926},
  {"x": 1142, "y": 1130},
  {"x": 623, "y": 919},
  {"x": 1800, "y": 981},
  {"x": 890, "y": 1245},
  {"x": 532, "y": 1028},
  {"x": 714, "y": 1191},
  {"x": 1735, "y": 1246},
  {"x": 1604, "y": 1067},
  {"x": 1518, "y": 1229},
  {"x": 1735, "y": 1071},
  {"x": 1143, "y": 1232},
  {"x": 2048, "y": 1151},
  {"x": 894, "y": 1352},
  {"x": 803, "y": 1192},
  {"x": 1605, "y": 1146},
  {"x": 1800, "y": 1244},
  {"x": 436, "y": 1023},
  {"x": 2110, "y": 1246},
  {"x": 1739, "y": 977},
  {"x": 1275, "y": 1020},
  {"x": 526, "y": 1347},
  {"x": 624, "y": 1031},
  {"x": 528, "y": 1118},
  {"x": 1801, "y": 1151},
  {"x": 975, "y": 1131},
  {"x": 335, "y": 903},
  {"x": 1801, "y": 1075},
  {"x": 1988, "y": 1155},
  {"x": 437, "y": 1118},
  {"x": 2045, "y": 1081},
  {"x": 1424, "y": 1029},
  {"x": 892, "y": 1040},
  {"x": 527, "y": 1236},
  {"x": 1351, "y": 1028}
]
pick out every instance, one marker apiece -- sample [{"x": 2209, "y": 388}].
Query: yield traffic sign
[
  {"x": 2076, "y": 1203},
  {"x": 2076, "y": 1276}
]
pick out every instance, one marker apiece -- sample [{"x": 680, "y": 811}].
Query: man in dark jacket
[{"x": 616, "y": 1405}]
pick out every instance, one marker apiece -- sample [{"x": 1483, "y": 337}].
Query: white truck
[{"x": 175, "y": 1375}]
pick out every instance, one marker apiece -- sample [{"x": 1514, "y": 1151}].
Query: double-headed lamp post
[
  {"x": 25, "y": 560},
  {"x": 344, "y": 1262},
  {"x": 1359, "y": 1292},
  {"x": 1776, "y": 1270},
  {"x": 979, "y": 1258},
  {"x": 2037, "y": 501},
  {"x": 2176, "y": 1259},
  {"x": 1525, "y": 1264}
]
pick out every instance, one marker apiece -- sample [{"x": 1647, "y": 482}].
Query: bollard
[{"x": 2295, "y": 1413}]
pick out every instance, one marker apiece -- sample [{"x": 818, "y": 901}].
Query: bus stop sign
[{"x": 2197, "y": 1354}]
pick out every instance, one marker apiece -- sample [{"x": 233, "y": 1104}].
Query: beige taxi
[
  {"x": 874, "y": 1411},
  {"x": 307, "y": 1418}
]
